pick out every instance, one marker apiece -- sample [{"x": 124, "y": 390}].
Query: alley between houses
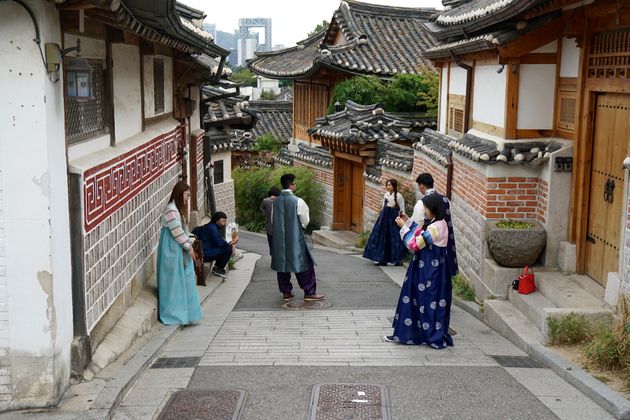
[{"x": 247, "y": 342}]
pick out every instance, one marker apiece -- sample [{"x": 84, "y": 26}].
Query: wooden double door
[
  {"x": 348, "y": 195},
  {"x": 606, "y": 213}
]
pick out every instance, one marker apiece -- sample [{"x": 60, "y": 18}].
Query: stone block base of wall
[
  {"x": 224, "y": 198},
  {"x": 470, "y": 229},
  {"x": 145, "y": 277}
]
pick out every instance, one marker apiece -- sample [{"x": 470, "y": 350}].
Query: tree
[
  {"x": 267, "y": 95},
  {"x": 320, "y": 27},
  {"x": 286, "y": 83},
  {"x": 402, "y": 93},
  {"x": 244, "y": 76}
]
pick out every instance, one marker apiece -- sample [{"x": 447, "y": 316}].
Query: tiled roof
[
  {"x": 218, "y": 140},
  {"x": 366, "y": 123},
  {"x": 531, "y": 153},
  {"x": 319, "y": 156},
  {"x": 284, "y": 157},
  {"x": 227, "y": 109},
  {"x": 469, "y": 19},
  {"x": 438, "y": 146},
  {"x": 212, "y": 65},
  {"x": 290, "y": 63},
  {"x": 373, "y": 174},
  {"x": 377, "y": 40},
  {"x": 395, "y": 156},
  {"x": 273, "y": 117}
]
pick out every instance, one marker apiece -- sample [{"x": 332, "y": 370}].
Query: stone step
[
  {"x": 534, "y": 306},
  {"x": 507, "y": 320},
  {"x": 565, "y": 292},
  {"x": 340, "y": 239}
]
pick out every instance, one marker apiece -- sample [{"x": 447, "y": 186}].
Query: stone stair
[
  {"x": 525, "y": 317},
  {"x": 340, "y": 239}
]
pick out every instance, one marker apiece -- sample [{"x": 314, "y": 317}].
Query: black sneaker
[{"x": 220, "y": 272}]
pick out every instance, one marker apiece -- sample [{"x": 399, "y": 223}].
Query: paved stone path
[{"x": 247, "y": 342}]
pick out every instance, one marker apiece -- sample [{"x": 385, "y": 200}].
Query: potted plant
[{"x": 515, "y": 243}]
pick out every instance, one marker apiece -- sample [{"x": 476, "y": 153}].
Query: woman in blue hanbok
[
  {"x": 423, "y": 312},
  {"x": 384, "y": 245},
  {"x": 178, "y": 299}
]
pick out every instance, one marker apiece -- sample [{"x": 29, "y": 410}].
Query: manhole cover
[
  {"x": 175, "y": 362},
  {"x": 517, "y": 361},
  {"x": 204, "y": 404},
  {"x": 349, "y": 401},
  {"x": 304, "y": 305}
]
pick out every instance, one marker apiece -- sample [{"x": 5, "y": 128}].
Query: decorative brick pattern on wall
[
  {"x": 224, "y": 198},
  {"x": 5, "y": 366},
  {"x": 119, "y": 246},
  {"x": 201, "y": 190},
  {"x": 123, "y": 202}
]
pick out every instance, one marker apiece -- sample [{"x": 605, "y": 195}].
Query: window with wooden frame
[
  {"x": 566, "y": 104},
  {"x": 218, "y": 171},
  {"x": 86, "y": 116},
  {"x": 158, "y": 84},
  {"x": 455, "y": 123}
]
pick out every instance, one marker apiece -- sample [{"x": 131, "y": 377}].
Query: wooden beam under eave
[
  {"x": 535, "y": 39},
  {"x": 511, "y": 99}
]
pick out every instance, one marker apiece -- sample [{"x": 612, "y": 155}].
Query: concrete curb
[
  {"x": 473, "y": 308},
  {"x": 609, "y": 400}
]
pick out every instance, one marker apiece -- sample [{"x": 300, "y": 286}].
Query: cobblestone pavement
[{"x": 248, "y": 342}]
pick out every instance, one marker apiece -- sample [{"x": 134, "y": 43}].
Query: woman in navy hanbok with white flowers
[{"x": 423, "y": 312}]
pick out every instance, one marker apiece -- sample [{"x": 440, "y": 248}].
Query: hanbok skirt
[
  {"x": 178, "y": 299},
  {"x": 384, "y": 244},
  {"x": 424, "y": 307}
]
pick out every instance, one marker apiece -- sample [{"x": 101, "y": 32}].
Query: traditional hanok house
[
  {"x": 94, "y": 138},
  {"x": 362, "y": 39},
  {"x": 375, "y": 146},
  {"x": 224, "y": 110},
  {"x": 534, "y": 101},
  {"x": 272, "y": 117}
]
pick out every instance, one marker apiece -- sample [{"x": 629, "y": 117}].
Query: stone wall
[
  {"x": 5, "y": 366},
  {"x": 470, "y": 229},
  {"x": 324, "y": 177},
  {"x": 224, "y": 198}
]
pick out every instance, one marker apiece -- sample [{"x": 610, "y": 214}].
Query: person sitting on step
[{"x": 215, "y": 248}]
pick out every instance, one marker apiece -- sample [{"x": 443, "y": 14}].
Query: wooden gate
[
  {"x": 348, "y": 195},
  {"x": 610, "y": 147}
]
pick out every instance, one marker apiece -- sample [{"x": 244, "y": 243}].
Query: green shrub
[
  {"x": 610, "y": 346},
  {"x": 251, "y": 187},
  {"x": 514, "y": 224},
  {"x": 268, "y": 142},
  {"x": 362, "y": 239},
  {"x": 570, "y": 329},
  {"x": 462, "y": 288}
]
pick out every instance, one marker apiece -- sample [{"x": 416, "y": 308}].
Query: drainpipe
[{"x": 449, "y": 174}]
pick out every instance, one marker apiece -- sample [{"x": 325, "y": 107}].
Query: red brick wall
[
  {"x": 494, "y": 198},
  {"x": 321, "y": 175},
  {"x": 373, "y": 197}
]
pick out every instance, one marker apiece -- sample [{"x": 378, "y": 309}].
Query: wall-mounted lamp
[{"x": 78, "y": 69}]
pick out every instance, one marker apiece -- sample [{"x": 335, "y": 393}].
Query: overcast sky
[{"x": 291, "y": 20}]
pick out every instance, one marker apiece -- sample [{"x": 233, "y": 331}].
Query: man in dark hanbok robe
[
  {"x": 425, "y": 185},
  {"x": 289, "y": 253}
]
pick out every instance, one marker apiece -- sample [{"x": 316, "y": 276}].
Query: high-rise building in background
[{"x": 243, "y": 43}]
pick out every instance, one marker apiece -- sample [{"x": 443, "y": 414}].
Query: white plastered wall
[
  {"x": 34, "y": 198},
  {"x": 149, "y": 86},
  {"x": 489, "y": 95},
  {"x": 536, "y": 95},
  {"x": 457, "y": 85},
  {"x": 570, "y": 59},
  {"x": 443, "y": 100},
  {"x": 127, "y": 95}
]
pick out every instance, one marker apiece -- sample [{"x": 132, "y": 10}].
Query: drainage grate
[
  {"x": 349, "y": 401},
  {"x": 517, "y": 361},
  {"x": 175, "y": 362},
  {"x": 299, "y": 305},
  {"x": 204, "y": 404}
]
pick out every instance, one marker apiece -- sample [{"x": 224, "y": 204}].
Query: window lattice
[
  {"x": 158, "y": 84},
  {"x": 86, "y": 118},
  {"x": 218, "y": 172}
]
